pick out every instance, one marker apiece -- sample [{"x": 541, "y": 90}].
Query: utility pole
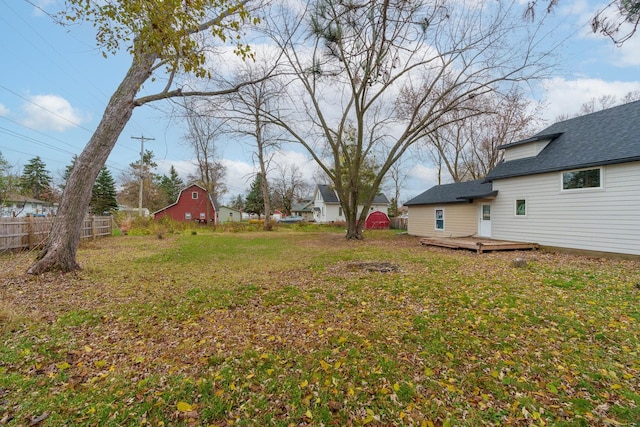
[{"x": 142, "y": 140}]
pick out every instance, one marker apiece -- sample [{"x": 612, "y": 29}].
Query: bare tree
[
  {"x": 202, "y": 135},
  {"x": 597, "y": 104},
  {"x": 164, "y": 38},
  {"x": 130, "y": 180},
  {"x": 602, "y": 103},
  {"x": 288, "y": 186},
  {"x": 468, "y": 146},
  {"x": 245, "y": 112},
  {"x": 351, "y": 61},
  {"x": 397, "y": 176}
]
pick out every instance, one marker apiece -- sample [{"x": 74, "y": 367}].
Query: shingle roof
[
  {"x": 23, "y": 199},
  {"x": 604, "y": 137},
  {"x": 305, "y": 205},
  {"x": 329, "y": 195},
  {"x": 458, "y": 192}
]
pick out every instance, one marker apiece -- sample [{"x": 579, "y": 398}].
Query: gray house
[
  {"x": 303, "y": 208},
  {"x": 574, "y": 185}
]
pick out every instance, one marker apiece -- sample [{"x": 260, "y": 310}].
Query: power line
[{"x": 142, "y": 140}]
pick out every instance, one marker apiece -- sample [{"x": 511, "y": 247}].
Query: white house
[
  {"x": 574, "y": 185},
  {"x": 327, "y": 208},
  {"x": 17, "y": 205}
]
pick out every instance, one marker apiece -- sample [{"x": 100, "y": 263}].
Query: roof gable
[
  {"x": 327, "y": 193},
  {"x": 329, "y": 196},
  {"x": 605, "y": 137},
  {"x": 458, "y": 192}
]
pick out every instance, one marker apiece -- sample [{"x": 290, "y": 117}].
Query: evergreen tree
[
  {"x": 103, "y": 194},
  {"x": 171, "y": 185},
  {"x": 254, "y": 202},
  {"x": 36, "y": 180},
  {"x": 238, "y": 203}
]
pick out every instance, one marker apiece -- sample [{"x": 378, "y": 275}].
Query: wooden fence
[
  {"x": 398, "y": 223},
  {"x": 29, "y": 232}
]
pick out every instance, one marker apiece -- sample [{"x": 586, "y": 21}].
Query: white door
[{"x": 484, "y": 226}]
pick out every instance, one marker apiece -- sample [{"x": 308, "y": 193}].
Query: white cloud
[
  {"x": 305, "y": 165},
  {"x": 628, "y": 53},
  {"x": 183, "y": 167},
  {"x": 50, "y": 112},
  {"x": 3, "y": 110},
  {"x": 40, "y": 6},
  {"x": 239, "y": 177},
  {"x": 421, "y": 178},
  {"x": 567, "y": 96}
]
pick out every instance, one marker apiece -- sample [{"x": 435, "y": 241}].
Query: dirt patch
[{"x": 377, "y": 267}]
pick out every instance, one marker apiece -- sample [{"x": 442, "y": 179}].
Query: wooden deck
[{"x": 479, "y": 245}]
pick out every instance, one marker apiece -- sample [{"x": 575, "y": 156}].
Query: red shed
[
  {"x": 377, "y": 221},
  {"x": 194, "y": 204}
]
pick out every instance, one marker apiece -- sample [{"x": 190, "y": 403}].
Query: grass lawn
[{"x": 294, "y": 328}]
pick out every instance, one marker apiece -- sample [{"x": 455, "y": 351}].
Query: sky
[{"x": 55, "y": 84}]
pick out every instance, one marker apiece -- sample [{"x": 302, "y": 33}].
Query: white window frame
[
  {"x": 515, "y": 208},
  {"x": 435, "y": 219},
  {"x": 187, "y": 216},
  {"x": 600, "y": 187},
  {"x": 194, "y": 195}
]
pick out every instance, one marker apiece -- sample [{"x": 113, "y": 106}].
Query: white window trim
[
  {"x": 571, "y": 190},
  {"x": 435, "y": 220},
  {"x": 194, "y": 195},
  {"x": 515, "y": 208}
]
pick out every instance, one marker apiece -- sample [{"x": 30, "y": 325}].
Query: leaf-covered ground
[{"x": 299, "y": 328}]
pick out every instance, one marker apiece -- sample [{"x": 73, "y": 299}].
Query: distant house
[
  {"x": 327, "y": 208},
  {"x": 194, "y": 204},
  {"x": 304, "y": 208},
  {"x": 574, "y": 185},
  {"x": 16, "y": 205},
  {"x": 129, "y": 211},
  {"x": 227, "y": 214}
]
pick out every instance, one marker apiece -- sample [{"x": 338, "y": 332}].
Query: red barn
[
  {"x": 377, "y": 221},
  {"x": 194, "y": 204}
]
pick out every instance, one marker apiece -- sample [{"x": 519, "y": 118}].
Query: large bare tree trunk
[{"x": 59, "y": 252}]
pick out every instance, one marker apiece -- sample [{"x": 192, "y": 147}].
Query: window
[
  {"x": 521, "y": 207},
  {"x": 588, "y": 178},
  {"x": 486, "y": 212},
  {"x": 203, "y": 215},
  {"x": 194, "y": 195},
  {"x": 187, "y": 215},
  {"x": 439, "y": 215},
  {"x": 340, "y": 211}
]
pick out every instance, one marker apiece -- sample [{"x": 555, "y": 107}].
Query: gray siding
[{"x": 605, "y": 219}]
